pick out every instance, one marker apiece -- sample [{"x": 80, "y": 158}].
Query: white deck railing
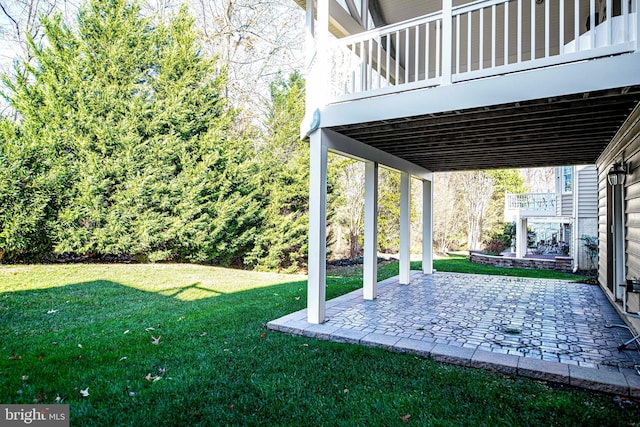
[
  {"x": 480, "y": 39},
  {"x": 529, "y": 204},
  {"x": 392, "y": 56},
  {"x": 531, "y": 201}
]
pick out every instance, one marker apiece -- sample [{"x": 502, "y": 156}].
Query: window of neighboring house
[{"x": 567, "y": 179}]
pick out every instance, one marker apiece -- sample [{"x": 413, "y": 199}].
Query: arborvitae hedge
[{"x": 123, "y": 147}]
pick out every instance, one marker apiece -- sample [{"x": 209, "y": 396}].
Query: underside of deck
[{"x": 572, "y": 129}]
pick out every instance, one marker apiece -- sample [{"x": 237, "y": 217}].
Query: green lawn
[{"x": 67, "y": 328}]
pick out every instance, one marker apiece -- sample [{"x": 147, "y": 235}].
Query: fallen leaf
[
  {"x": 15, "y": 357},
  {"x": 346, "y": 390},
  {"x": 85, "y": 392},
  {"x": 203, "y": 334},
  {"x": 79, "y": 345},
  {"x": 150, "y": 377},
  {"x": 132, "y": 393},
  {"x": 58, "y": 399},
  {"x": 297, "y": 298},
  {"x": 263, "y": 335},
  {"x": 155, "y": 340},
  {"x": 181, "y": 318},
  {"x": 126, "y": 332},
  {"x": 150, "y": 329},
  {"x": 25, "y": 377},
  {"x": 405, "y": 418},
  {"x": 52, "y": 311},
  {"x": 122, "y": 358},
  {"x": 230, "y": 407},
  {"x": 40, "y": 356},
  {"x": 162, "y": 371}
]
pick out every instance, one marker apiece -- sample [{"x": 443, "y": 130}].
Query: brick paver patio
[{"x": 541, "y": 328}]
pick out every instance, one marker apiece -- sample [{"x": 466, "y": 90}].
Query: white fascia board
[
  {"x": 350, "y": 147},
  {"x": 580, "y": 77}
]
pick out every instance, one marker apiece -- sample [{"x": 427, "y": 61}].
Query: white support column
[
  {"x": 427, "y": 227},
  {"x": 317, "y": 268},
  {"x": 521, "y": 237},
  {"x": 370, "y": 274},
  {"x": 405, "y": 228}
]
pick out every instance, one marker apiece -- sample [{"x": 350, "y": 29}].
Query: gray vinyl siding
[
  {"x": 603, "y": 229},
  {"x": 625, "y": 144},
  {"x": 586, "y": 221},
  {"x": 566, "y": 204},
  {"x": 587, "y": 191}
]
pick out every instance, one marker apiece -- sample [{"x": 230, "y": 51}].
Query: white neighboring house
[{"x": 573, "y": 206}]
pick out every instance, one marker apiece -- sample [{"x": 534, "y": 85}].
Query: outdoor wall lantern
[{"x": 618, "y": 173}]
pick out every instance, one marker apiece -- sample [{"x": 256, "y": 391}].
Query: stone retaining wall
[{"x": 560, "y": 263}]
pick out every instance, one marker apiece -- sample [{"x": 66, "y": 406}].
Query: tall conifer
[
  {"x": 131, "y": 116},
  {"x": 284, "y": 160}
]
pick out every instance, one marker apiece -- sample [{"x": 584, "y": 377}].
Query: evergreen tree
[
  {"x": 134, "y": 128},
  {"x": 504, "y": 181},
  {"x": 284, "y": 162},
  {"x": 32, "y": 183}
]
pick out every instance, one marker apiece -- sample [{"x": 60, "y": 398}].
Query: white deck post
[
  {"x": 637, "y": 24},
  {"x": 309, "y": 35},
  {"x": 310, "y": 54},
  {"x": 317, "y": 268},
  {"x": 447, "y": 40},
  {"x": 521, "y": 237},
  {"x": 370, "y": 274},
  {"x": 427, "y": 227},
  {"x": 405, "y": 227},
  {"x": 317, "y": 56}
]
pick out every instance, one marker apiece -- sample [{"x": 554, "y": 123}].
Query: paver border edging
[{"x": 618, "y": 383}]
